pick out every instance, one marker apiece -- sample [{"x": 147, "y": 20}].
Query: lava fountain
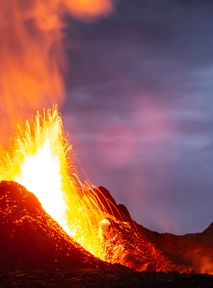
[{"x": 40, "y": 159}]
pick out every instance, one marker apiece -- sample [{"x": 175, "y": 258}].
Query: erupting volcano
[
  {"x": 54, "y": 226},
  {"x": 40, "y": 160}
]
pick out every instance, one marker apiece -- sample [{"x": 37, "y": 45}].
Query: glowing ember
[{"x": 39, "y": 161}]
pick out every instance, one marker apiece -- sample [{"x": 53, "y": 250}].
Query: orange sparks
[{"x": 40, "y": 161}]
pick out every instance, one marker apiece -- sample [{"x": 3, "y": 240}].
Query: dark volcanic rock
[
  {"x": 31, "y": 239},
  {"x": 143, "y": 249},
  {"x": 122, "y": 241},
  {"x": 207, "y": 234},
  {"x": 96, "y": 278},
  {"x": 192, "y": 250},
  {"x": 108, "y": 204},
  {"x": 126, "y": 245}
]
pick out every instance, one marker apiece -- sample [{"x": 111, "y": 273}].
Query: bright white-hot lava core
[
  {"x": 40, "y": 160},
  {"x": 46, "y": 181}
]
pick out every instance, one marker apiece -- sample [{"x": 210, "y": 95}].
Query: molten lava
[{"x": 40, "y": 160}]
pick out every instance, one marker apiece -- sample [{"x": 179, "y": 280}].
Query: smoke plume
[{"x": 32, "y": 53}]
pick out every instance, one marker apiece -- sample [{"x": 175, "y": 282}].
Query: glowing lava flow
[{"x": 39, "y": 161}]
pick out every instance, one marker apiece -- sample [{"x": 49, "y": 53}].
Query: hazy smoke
[{"x": 32, "y": 53}]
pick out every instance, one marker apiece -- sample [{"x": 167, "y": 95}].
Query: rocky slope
[
  {"x": 192, "y": 250},
  {"x": 95, "y": 278},
  {"x": 31, "y": 239},
  {"x": 146, "y": 250}
]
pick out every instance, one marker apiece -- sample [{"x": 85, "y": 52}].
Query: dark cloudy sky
[{"x": 139, "y": 108}]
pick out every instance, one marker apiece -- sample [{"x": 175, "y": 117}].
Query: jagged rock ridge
[
  {"x": 149, "y": 250},
  {"x": 31, "y": 239}
]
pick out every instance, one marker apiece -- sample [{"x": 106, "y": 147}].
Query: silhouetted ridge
[
  {"x": 152, "y": 251},
  {"x": 118, "y": 210},
  {"x": 209, "y": 230},
  {"x": 31, "y": 239}
]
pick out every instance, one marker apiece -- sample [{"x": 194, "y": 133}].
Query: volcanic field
[{"x": 36, "y": 252}]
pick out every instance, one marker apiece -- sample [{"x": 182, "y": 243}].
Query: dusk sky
[{"x": 139, "y": 108}]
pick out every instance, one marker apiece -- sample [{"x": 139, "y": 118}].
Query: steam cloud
[{"x": 32, "y": 53}]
